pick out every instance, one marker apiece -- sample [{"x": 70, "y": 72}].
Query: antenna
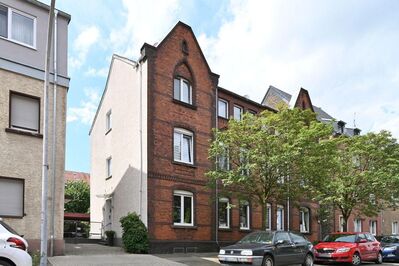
[{"x": 354, "y": 120}]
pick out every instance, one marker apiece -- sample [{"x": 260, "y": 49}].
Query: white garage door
[{"x": 11, "y": 197}]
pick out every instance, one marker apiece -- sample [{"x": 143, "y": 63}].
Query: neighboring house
[
  {"x": 149, "y": 152},
  {"x": 23, "y": 31},
  {"x": 71, "y": 176}
]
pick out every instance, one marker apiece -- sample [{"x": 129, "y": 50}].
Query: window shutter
[
  {"x": 176, "y": 89},
  {"x": 3, "y": 21},
  {"x": 24, "y": 112},
  {"x": 11, "y": 197},
  {"x": 177, "y": 146}
]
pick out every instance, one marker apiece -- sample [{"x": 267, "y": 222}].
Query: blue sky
[{"x": 344, "y": 52}]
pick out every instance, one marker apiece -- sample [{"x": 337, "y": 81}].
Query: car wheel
[
  {"x": 5, "y": 263},
  {"x": 356, "y": 260},
  {"x": 267, "y": 261},
  {"x": 308, "y": 260},
  {"x": 379, "y": 258}
]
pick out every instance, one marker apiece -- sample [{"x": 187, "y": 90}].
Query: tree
[
  {"x": 134, "y": 234},
  {"x": 78, "y": 195},
  {"x": 263, "y": 157},
  {"x": 363, "y": 175}
]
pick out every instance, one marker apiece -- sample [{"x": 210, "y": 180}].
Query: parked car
[
  {"x": 348, "y": 248},
  {"x": 390, "y": 247},
  {"x": 13, "y": 247},
  {"x": 12, "y": 256},
  {"x": 268, "y": 249}
]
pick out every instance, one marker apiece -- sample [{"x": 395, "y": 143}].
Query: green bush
[{"x": 134, "y": 234}]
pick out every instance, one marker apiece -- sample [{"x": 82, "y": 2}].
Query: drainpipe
[
  {"x": 216, "y": 185},
  {"x": 53, "y": 159},
  {"x": 141, "y": 138}
]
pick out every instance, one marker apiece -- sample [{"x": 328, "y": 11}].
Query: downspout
[
  {"x": 216, "y": 185},
  {"x": 141, "y": 138},
  {"x": 288, "y": 206},
  {"x": 52, "y": 221}
]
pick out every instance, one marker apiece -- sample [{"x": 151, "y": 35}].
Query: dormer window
[{"x": 182, "y": 90}]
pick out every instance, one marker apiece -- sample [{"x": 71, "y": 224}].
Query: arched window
[
  {"x": 304, "y": 223},
  {"x": 182, "y": 90}
]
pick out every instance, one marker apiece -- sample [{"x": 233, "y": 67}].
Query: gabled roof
[
  {"x": 274, "y": 97},
  {"x": 321, "y": 115},
  {"x": 77, "y": 176},
  {"x": 303, "y": 94}
]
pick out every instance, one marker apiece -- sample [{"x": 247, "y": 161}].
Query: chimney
[
  {"x": 356, "y": 131},
  {"x": 341, "y": 127}
]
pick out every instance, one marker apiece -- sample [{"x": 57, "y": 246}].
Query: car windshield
[
  {"x": 388, "y": 239},
  {"x": 9, "y": 228},
  {"x": 260, "y": 237},
  {"x": 349, "y": 238}
]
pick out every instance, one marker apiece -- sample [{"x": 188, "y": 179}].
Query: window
[
  {"x": 108, "y": 121},
  {"x": 244, "y": 214},
  {"x": 304, "y": 216},
  {"x": 223, "y": 159},
  {"x": 183, "y": 146},
  {"x": 182, "y": 90},
  {"x": 183, "y": 208},
  {"x": 244, "y": 162},
  {"x": 357, "y": 225},
  {"x": 370, "y": 237},
  {"x": 280, "y": 218},
  {"x": 395, "y": 228},
  {"x": 223, "y": 108},
  {"x": 341, "y": 223},
  {"x": 237, "y": 112},
  {"x": 297, "y": 239},
  {"x": 282, "y": 236},
  {"x": 373, "y": 227},
  {"x": 268, "y": 219},
  {"x": 17, "y": 26},
  {"x": 109, "y": 167},
  {"x": 11, "y": 197},
  {"x": 25, "y": 112},
  {"x": 224, "y": 213}
]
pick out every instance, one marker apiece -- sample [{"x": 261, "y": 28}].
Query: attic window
[{"x": 184, "y": 47}]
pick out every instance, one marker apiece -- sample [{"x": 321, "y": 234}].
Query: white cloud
[
  {"x": 146, "y": 21},
  {"x": 82, "y": 45},
  {"x": 85, "y": 112},
  {"x": 346, "y": 60},
  {"x": 93, "y": 72}
]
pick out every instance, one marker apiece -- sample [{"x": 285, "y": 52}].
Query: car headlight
[
  {"x": 393, "y": 248},
  {"x": 222, "y": 252},
  {"x": 342, "y": 250},
  {"x": 246, "y": 252}
]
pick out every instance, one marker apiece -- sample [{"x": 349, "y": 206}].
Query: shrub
[{"x": 134, "y": 234}]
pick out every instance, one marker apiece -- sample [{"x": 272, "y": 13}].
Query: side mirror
[{"x": 279, "y": 242}]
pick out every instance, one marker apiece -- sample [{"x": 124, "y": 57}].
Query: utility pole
[{"x": 45, "y": 166}]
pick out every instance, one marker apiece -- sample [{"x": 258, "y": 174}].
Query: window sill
[
  {"x": 184, "y": 164},
  {"x": 109, "y": 130},
  {"x": 247, "y": 230},
  {"x": 191, "y": 106},
  {"x": 25, "y": 133},
  {"x": 190, "y": 227},
  {"x": 12, "y": 216},
  {"x": 108, "y": 178}
]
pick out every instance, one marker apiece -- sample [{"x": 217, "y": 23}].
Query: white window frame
[
  {"x": 226, "y": 114},
  {"x": 247, "y": 210},
  {"x": 234, "y": 112},
  {"x": 303, "y": 218},
  {"x": 183, "y": 132},
  {"x": 225, "y": 200},
  {"x": 184, "y": 194},
  {"x": 395, "y": 228},
  {"x": 280, "y": 208},
  {"x": 108, "y": 121},
  {"x": 224, "y": 159},
  {"x": 341, "y": 223},
  {"x": 22, "y": 95},
  {"x": 109, "y": 167},
  {"x": 9, "y": 26},
  {"x": 190, "y": 88},
  {"x": 373, "y": 227},
  {"x": 268, "y": 225},
  {"x": 357, "y": 225}
]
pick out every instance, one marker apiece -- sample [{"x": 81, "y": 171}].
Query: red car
[{"x": 348, "y": 248}]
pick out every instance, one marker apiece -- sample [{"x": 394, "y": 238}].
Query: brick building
[{"x": 149, "y": 152}]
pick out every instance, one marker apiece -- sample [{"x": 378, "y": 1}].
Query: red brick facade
[{"x": 179, "y": 55}]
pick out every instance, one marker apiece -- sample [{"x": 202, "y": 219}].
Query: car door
[
  {"x": 363, "y": 246},
  {"x": 374, "y": 246},
  {"x": 300, "y": 247},
  {"x": 285, "y": 249}
]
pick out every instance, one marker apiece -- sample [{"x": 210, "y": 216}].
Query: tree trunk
[{"x": 345, "y": 224}]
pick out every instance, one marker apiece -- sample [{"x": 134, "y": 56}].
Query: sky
[{"x": 344, "y": 52}]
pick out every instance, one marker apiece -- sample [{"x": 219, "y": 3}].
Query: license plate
[
  {"x": 231, "y": 259},
  {"x": 324, "y": 255}
]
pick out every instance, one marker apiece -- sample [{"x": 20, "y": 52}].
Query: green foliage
[
  {"x": 78, "y": 193},
  {"x": 134, "y": 234},
  {"x": 363, "y": 174},
  {"x": 35, "y": 258},
  {"x": 269, "y": 154}
]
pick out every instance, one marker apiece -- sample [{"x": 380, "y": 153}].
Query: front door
[{"x": 107, "y": 212}]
